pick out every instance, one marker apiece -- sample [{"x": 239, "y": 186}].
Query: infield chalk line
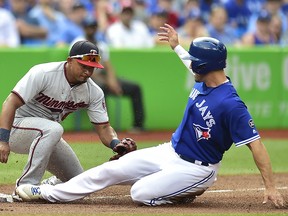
[
  {"x": 242, "y": 190},
  {"x": 209, "y": 191}
]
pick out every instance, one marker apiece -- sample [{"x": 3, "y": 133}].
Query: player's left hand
[
  {"x": 125, "y": 146},
  {"x": 4, "y": 152},
  {"x": 274, "y": 196}
]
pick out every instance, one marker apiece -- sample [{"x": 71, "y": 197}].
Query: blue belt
[{"x": 191, "y": 160}]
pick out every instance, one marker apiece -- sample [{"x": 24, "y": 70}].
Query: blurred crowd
[{"x": 135, "y": 23}]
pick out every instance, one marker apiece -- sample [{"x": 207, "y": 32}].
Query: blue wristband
[
  {"x": 4, "y": 135},
  {"x": 113, "y": 143}
]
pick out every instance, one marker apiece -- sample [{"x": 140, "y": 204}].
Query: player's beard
[
  {"x": 83, "y": 81},
  {"x": 197, "y": 77}
]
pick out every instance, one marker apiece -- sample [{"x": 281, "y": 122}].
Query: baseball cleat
[
  {"x": 53, "y": 180},
  {"x": 29, "y": 192}
]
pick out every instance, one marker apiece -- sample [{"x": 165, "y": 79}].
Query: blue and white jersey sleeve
[{"x": 241, "y": 125}]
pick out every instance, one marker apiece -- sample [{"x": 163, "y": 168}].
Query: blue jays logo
[
  {"x": 251, "y": 123},
  {"x": 201, "y": 132}
]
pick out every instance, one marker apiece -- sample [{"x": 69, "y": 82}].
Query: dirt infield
[
  {"x": 230, "y": 194},
  {"x": 159, "y": 135}
]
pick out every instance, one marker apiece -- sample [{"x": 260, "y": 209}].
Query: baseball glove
[{"x": 125, "y": 146}]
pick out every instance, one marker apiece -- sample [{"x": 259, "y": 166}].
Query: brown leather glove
[{"x": 125, "y": 146}]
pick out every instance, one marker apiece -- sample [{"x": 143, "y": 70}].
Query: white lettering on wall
[
  {"x": 285, "y": 73},
  {"x": 261, "y": 109},
  {"x": 283, "y": 108},
  {"x": 249, "y": 75}
]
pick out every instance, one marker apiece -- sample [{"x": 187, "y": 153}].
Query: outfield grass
[{"x": 236, "y": 160}]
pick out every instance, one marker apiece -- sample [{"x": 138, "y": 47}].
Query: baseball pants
[
  {"x": 42, "y": 140},
  {"x": 157, "y": 175}
]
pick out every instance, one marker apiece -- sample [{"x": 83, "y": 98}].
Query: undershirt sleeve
[{"x": 183, "y": 54}]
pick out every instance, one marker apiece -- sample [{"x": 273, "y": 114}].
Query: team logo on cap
[
  {"x": 94, "y": 52},
  {"x": 201, "y": 132}
]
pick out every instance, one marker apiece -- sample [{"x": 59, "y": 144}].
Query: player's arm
[
  {"x": 9, "y": 107},
  {"x": 109, "y": 138},
  {"x": 263, "y": 163},
  {"x": 169, "y": 35},
  {"x": 106, "y": 133}
]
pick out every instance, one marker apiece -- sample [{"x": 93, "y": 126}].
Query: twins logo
[{"x": 201, "y": 132}]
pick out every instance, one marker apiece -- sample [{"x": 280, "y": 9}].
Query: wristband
[
  {"x": 4, "y": 135},
  {"x": 113, "y": 143}
]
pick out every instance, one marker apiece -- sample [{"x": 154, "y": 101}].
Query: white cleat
[
  {"x": 29, "y": 192},
  {"x": 53, "y": 180}
]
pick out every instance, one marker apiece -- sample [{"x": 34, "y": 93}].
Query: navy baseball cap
[
  {"x": 86, "y": 53},
  {"x": 89, "y": 22},
  {"x": 264, "y": 16}
]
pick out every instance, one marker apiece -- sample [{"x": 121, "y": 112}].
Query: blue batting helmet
[{"x": 207, "y": 54}]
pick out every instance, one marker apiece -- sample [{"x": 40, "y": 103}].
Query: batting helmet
[{"x": 207, "y": 54}]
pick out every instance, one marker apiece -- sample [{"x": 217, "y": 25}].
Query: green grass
[
  {"x": 236, "y": 160},
  {"x": 239, "y": 160}
]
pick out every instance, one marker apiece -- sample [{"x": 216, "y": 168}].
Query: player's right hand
[{"x": 4, "y": 152}]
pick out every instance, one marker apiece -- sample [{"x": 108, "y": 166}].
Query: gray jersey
[{"x": 47, "y": 94}]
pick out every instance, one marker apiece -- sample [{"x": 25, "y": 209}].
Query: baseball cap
[
  {"x": 264, "y": 16},
  {"x": 89, "y": 22},
  {"x": 127, "y": 10},
  {"x": 157, "y": 11},
  {"x": 86, "y": 53},
  {"x": 78, "y": 5},
  {"x": 194, "y": 15}
]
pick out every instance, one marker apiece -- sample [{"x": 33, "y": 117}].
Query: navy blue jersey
[{"x": 214, "y": 119}]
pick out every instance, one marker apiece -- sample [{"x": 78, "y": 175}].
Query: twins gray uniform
[{"x": 48, "y": 99}]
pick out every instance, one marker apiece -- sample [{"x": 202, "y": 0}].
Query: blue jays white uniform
[{"x": 177, "y": 170}]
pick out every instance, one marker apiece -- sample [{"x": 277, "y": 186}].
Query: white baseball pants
[{"x": 157, "y": 175}]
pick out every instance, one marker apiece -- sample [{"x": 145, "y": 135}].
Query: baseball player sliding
[
  {"x": 45, "y": 96},
  {"x": 185, "y": 167}
]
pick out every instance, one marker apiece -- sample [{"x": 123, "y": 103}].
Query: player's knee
[
  {"x": 139, "y": 195},
  {"x": 55, "y": 130}
]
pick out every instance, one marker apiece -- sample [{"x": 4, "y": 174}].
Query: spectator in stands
[
  {"x": 128, "y": 32},
  {"x": 140, "y": 11},
  {"x": 206, "y": 7},
  {"x": 50, "y": 19},
  {"x": 9, "y": 35},
  {"x": 218, "y": 26},
  {"x": 284, "y": 7},
  {"x": 188, "y": 8},
  {"x": 276, "y": 29},
  {"x": 238, "y": 15},
  {"x": 109, "y": 82},
  {"x": 172, "y": 15},
  {"x": 29, "y": 29},
  {"x": 255, "y": 6},
  {"x": 273, "y": 7},
  {"x": 157, "y": 19},
  {"x": 262, "y": 35},
  {"x": 74, "y": 17},
  {"x": 193, "y": 27},
  {"x": 102, "y": 11}
]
